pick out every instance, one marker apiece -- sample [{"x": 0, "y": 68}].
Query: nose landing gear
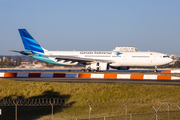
[{"x": 155, "y": 67}]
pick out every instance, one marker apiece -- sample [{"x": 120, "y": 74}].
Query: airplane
[{"x": 91, "y": 60}]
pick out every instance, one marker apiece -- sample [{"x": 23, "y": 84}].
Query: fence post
[
  {"x": 126, "y": 108},
  {"x": 16, "y": 112},
  {"x": 52, "y": 112},
  {"x": 178, "y": 105},
  {"x": 90, "y": 108},
  {"x": 15, "y": 103},
  {"x": 130, "y": 116},
  {"x": 168, "y": 109},
  {"x": 156, "y": 112},
  {"x": 52, "y": 106}
]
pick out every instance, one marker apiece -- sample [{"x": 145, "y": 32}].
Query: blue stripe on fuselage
[{"x": 46, "y": 59}]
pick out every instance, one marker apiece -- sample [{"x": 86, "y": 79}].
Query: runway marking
[
  {"x": 169, "y": 71},
  {"x": 96, "y": 80}
]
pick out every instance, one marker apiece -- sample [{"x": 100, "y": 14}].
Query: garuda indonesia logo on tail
[{"x": 118, "y": 53}]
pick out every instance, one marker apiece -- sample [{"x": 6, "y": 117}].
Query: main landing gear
[{"x": 86, "y": 70}]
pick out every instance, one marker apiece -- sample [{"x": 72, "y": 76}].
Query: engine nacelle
[
  {"x": 99, "y": 66},
  {"x": 120, "y": 68}
]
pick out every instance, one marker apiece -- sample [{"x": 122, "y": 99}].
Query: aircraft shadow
[{"x": 34, "y": 107}]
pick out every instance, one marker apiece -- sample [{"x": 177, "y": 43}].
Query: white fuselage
[
  {"x": 118, "y": 58},
  {"x": 97, "y": 60}
]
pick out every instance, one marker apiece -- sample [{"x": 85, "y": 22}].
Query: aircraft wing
[{"x": 77, "y": 59}]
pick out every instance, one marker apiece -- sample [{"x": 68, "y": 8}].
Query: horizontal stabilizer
[
  {"x": 15, "y": 51},
  {"x": 23, "y": 52}
]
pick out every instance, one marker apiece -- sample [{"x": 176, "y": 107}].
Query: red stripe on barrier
[
  {"x": 10, "y": 74},
  {"x": 84, "y": 75},
  {"x": 34, "y": 74},
  {"x": 162, "y": 77},
  {"x": 136, "y": 76},
  {"x": 110, "y": 76},
  {"x": 61, "y": 75}
]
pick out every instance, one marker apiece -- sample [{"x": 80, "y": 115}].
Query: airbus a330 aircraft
[{"x": 92, "y": 60}]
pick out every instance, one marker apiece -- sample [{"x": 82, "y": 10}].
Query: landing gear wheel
[
  {"x": 83, "y": 70},
  {"x": 88, "y": 70}
]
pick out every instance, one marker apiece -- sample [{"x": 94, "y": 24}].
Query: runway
[
  {"x": 72, "y": 70},
  {"x": 87, "y": 80}
]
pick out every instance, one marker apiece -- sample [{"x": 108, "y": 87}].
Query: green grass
[{"x": 107, "y": 99}]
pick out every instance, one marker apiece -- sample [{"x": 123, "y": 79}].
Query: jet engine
[
  {"x": 99, "y": 66},
  {"x": 120, "y": 67}
]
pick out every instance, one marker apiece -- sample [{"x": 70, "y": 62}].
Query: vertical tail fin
[{"x": 30, "y": 43}]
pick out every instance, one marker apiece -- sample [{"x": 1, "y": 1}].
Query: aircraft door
[
  {"x": 152, "y": 57},
  {"x": 124, "y": 57},
  {"x": 155, "y": 57}
]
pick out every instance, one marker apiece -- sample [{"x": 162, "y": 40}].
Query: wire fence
[
  {"x": 173, "y": 115},
  {"x": 94, "y": 109},
  {"x": 82, "y": 102},
  {"x": 34, "y": 102}
]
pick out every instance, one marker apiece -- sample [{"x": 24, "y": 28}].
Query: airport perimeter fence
[
  {"x": 148, "y": 116},
  {"x": 93, "y": 109}
]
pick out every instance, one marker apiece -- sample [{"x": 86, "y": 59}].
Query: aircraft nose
[{"x": 170, "y": 60}]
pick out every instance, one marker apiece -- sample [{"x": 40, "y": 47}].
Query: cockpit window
[{"x": 165, "y": 56}]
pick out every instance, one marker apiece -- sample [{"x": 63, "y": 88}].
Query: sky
[{"x": 86, "y": 25}]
